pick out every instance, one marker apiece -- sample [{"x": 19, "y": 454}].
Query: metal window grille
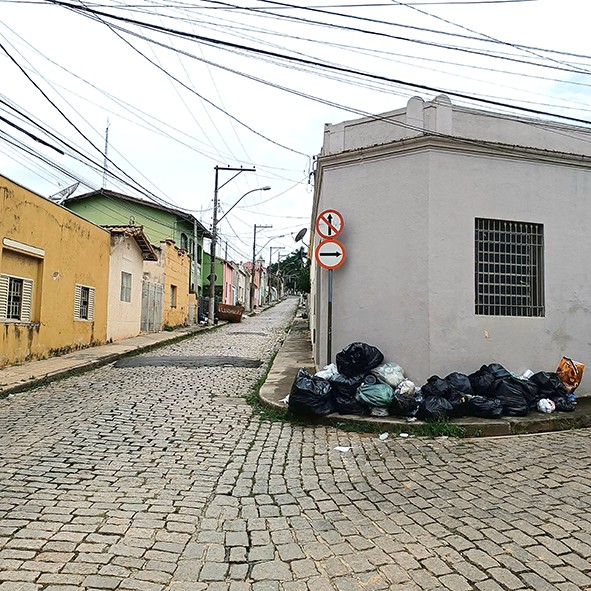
[
  {"x": 125, "y": 286},
  {"x": 15, "y": 298},
  {"x": 84, "y": 299},
  {"x": 509, "y": 268}
]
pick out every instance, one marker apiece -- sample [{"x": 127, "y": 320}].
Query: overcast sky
[{"x": 193, "y": 85}]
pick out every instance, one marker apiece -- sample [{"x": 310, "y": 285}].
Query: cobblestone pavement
[{"x": 161, "y": 479}]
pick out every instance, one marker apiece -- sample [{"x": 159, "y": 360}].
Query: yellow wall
[
  {"x": 177, "y": 265},
  {"x": 75, "y": 252}
]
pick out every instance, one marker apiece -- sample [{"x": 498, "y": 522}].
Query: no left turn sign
[
  {"x": 330, "y": 254},
  {"x": 329, "y": 224}
]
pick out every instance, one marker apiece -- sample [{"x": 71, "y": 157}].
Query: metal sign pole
[{"x": 329, "y": 331}]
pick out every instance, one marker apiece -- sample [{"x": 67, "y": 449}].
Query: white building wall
[
  {"x": 123, "y": 318},
  {"x": 407, "y": 285}
]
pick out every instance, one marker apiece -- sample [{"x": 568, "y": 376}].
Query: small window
[
  {"x": 125, "y": 286},
  {"x": 199, "y": 253},
  {"x": 173, "y": 296},
  {"x": 509, "y": 268},
  {"x": 184, "y": 242},
  {"x": 84, "y": 303},
  {"x": 16, "y": 295}
]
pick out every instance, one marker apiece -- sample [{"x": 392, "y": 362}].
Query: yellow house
[
  {"x": 54, "y": 274},
  {"x": 172, "y": 270}
]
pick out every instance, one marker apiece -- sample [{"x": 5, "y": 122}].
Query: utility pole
[
  {"x": 271, "y": 249},
  {"x": 254, "y": 250},
  {"x": 214, "y": 232}
]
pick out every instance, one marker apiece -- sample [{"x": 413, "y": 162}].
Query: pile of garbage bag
[{"x": 360, "y": 383}]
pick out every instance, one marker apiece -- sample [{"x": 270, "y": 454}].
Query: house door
[{"x": 152, "y": 299}]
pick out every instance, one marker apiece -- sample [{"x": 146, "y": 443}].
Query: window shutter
[
  {"x": 27, "y": 301},
  {"x": 3, "y": 296},
  {"x": 91, "y": 303},
  {"x": 77, "y": 298}
]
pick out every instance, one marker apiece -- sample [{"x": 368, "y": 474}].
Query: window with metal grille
[
  {"x": 125, "y": 286},
  {"x": 509, "y": 268},
  {"x": 84, "y": 303},
  {"x": 16, "y": 297}
]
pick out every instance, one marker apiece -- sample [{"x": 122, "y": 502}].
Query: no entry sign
[{"x": 329, "y": 224}]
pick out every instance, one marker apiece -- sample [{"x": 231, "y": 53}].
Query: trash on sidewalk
[
  {"x": 383, "y": 436},
  {"x": 362, "y": 383},
  {"x": 343, "y": 448},
  {"x": 571, "y": 373}
]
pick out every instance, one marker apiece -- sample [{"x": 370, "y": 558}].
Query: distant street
[{"x": 156, "y": 476}]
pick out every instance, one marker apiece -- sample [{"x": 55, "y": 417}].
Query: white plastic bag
[
  {"x": 390, "y": 373},
  {"x": 405, "y": 388},
  {"x": 546, "y": 405},
  {"x": 327, "y": 371}
]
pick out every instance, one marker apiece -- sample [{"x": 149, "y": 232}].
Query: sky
[{"x": 183, "y": 87}]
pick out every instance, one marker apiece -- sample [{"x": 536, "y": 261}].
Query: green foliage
[{"x": 295, "y": 270}]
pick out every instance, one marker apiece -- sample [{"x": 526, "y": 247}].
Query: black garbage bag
[
  {"x": 498, "y": 370},
  {"x": 435, "y": 386},
  {"x": 459, "y": 403},
  {"x": 404, "y": 405},
  {"x": 460, "y": 382},
  {"x": 549, "y": 384},
  {"x": 486, "y": 408},
  {"x": 563, "y": 404},
  {"x": 510, "y": 392},
  {"x": 344, "y": 389},
  {"x": 483, "y": 382},
  {"x": 434, "y": 408},
  {"x": 358, "y": 358},
  {"x": 531, "y": 392},
  {"x": 311, "y": 395}
]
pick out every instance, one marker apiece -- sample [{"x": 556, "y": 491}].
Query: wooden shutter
[
  {"x": 27, "y": 300},
  {"x": 3, "y": 296},
  {"x": 91, "y": 303},
  {"x": 77, "y": 299}
]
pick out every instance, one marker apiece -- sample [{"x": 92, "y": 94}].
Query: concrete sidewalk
[{"x": 296, "y": 352}]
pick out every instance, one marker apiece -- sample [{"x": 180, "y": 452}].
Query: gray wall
[{"x": 407, "y": 285}]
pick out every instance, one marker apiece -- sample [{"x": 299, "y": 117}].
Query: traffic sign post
[
  {"x": 329, "y": 224},
  {"x": 330, "y": 255}
]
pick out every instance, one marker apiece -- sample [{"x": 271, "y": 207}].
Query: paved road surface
[{"x": 159, "y": 478}]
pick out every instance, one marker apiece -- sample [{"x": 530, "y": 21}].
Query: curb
[{"x": 296, "y": 352}]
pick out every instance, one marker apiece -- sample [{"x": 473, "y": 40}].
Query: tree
[{"x": 295, "y": 270}]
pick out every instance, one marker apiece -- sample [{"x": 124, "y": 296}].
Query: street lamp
[
  {"x": 254, "y": 250},
  {"x": 214, "y": 233},
  {"x": 271, "y": 249}
]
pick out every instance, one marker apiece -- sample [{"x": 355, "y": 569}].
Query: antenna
[
  {"x": 62, "y": 195},
  {"x": 300, "y": 234},
  {"x": 106, "y": 152}
]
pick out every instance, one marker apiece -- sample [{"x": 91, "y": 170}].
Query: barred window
[
  {"x": 16, "y": 295},
  {"x": 125, "y": 286},
  {"x": 84, "y": 303},
  {"x": 509, "y": 268}
]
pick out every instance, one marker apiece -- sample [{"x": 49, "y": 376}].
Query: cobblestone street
[{"x": 159, "y": 478}]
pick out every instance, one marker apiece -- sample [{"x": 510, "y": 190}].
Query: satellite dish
[{"x": 300, "y": 234}]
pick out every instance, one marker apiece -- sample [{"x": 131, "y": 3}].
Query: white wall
[
  {"x": 407, "y": 285},
  {"x": 123, "y": 318}
]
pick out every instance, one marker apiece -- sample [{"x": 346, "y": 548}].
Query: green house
[{"x": 160, "y": 222}]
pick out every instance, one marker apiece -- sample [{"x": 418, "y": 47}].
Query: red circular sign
[
  {"x": 330, "y": 254},
  {"x": 329, "y": 224}
]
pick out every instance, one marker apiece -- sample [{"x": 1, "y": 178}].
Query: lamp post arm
[{"x": 241, "y": 198}]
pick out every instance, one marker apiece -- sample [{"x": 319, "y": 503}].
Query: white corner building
[{"x": 467, "y": 240}]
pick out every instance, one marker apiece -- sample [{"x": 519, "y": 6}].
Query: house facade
[
  {"x": 159, "y": 223},
  {"x": 463, "y": 232},
  {"x": 54, "y": 276},
  {"x": 171, "y": 270},
  {"x": 129, "y": 249}
]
